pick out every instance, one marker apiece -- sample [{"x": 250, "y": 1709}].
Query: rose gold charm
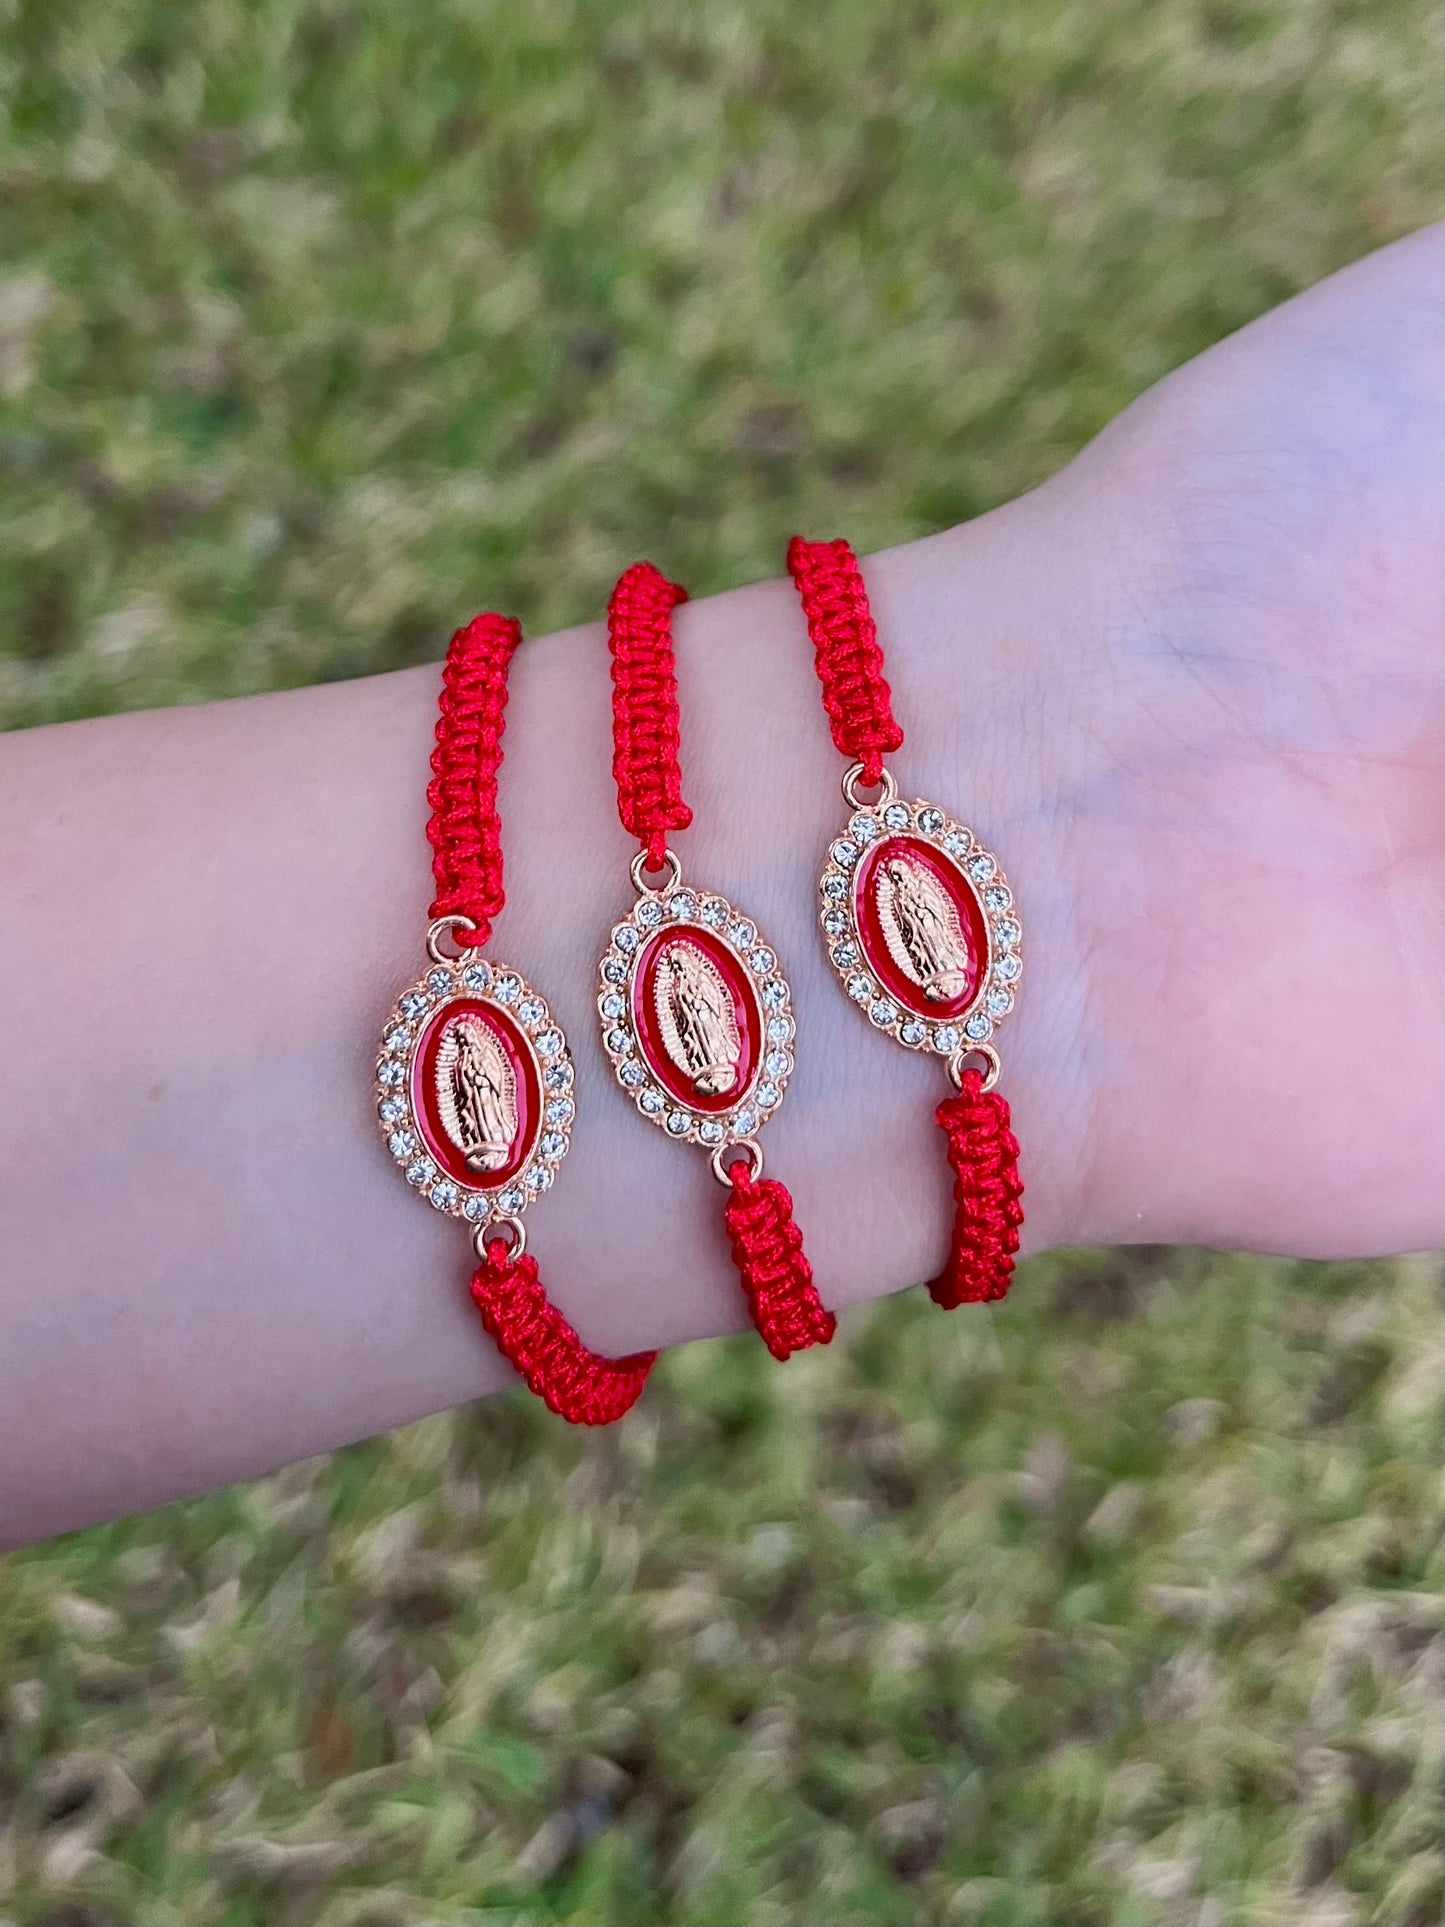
[
  {"x": 474, "y": 1087},
  {"x": 696, "y": 1015},
  {"x": 920, "y": 924}
]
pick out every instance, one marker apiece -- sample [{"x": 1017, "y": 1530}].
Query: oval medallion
[
  {"x": 696, "y": 1016},
  {"x": 475, "y": 1090},
  {"x": 920, "y": 925}
]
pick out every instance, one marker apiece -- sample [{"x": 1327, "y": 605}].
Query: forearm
[{"x": 209, "y": 1267}]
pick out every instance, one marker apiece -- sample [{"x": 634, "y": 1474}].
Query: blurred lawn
[{"x": 320, "y": 323}]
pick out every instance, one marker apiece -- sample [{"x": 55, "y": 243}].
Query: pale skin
[{"x": 1189, "y": 691}]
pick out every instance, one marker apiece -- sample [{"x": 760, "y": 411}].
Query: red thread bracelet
[
  {"x": 696, "y": 1013},
  {"x": 920, "y": 925},
  {"x": 475, "y": 1090}
]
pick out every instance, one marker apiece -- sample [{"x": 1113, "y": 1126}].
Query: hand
[{"x": 1240, "y": 770}]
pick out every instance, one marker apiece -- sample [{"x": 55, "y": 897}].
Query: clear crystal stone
[
  {"x": 439, "y": 982},
  {"x": 844, "y": 853},
  {"x": 835, "y": 923},
  {"x": 914, "y": 1032},
  {"x": 745, "y": 1123},
  {"x": 1007, "y": 969},
  {"x": 864, "y": 827},
  {"x": 391, "y": 1110},
  {"x": 477, "y": 976},
  {"x": 444, "y": 1195},
  {"x": 711, "y": 1132},
  {"x": 860, "y": 989},
  {"x": 553, "y": 1144},
  {"x": 1008, "y": 932},
  {"x": 762, "y": 960},
  {"x": 539, "y": 1178},
  {"x": 649, "y": 913},
  {"x": 882, "y": 1013},
  {"x": 777, "y": 1063},
  {"x": 550, "y": 1042},
  {"x": 614, "y": 970},
  {"x": 419, "y": 1172},
  {"x": 977, "y": 1027},
  {"x": 625, "y": 938},
  {"x": 998, "y": 1002},
  {"x": 678, "y": 1123},
  {"x": 981, "y": 866},
  {"x": 715, "y": 913},
  {"x": 513, "y": 1200},
  {"x": 956, "y": 842},
  {"x": 561, "y": 1110},
  {"x": 997, "y": 897},
  {"x": 930, "y": 821},
  {"x": 780, "y": 1029},
  {"x": 775, "y": 993},
  {"x": 401, "y": 1144},
  {"x": 632, "y": 1073},
  {"x": 618, "y": 1041},
  {"x": 391, "y": 1071},
  {"x": 682, "y": 904},
  {"x": 532, "y": 1010},
  {"x": 651, "y": 1102},
  {"x": 507, "y": 988},
  {"x": 845, "y": 955},
  {"x": 767, "y": 1095},
  {"x": 414, "y": 1003},
  {"x": 896, "y": 816},
  {"x": 946, "y": 1037},
  {"x": 835, "y": 887},
  {"x": 398, "y": 1037},
  {"x": 742, "y": 933},
  {"x": 613, "y": 1005},
  {"x": 475, "y": 1209},
  {"x": 557, "y": 1076}
]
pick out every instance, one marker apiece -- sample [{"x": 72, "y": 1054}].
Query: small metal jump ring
[
  {"x": 755, "y": 1157},
  {"x": 486, "y": 1234},
  {"x": 638, "y": 868},
  {"x": 440, "y": 927},
  {"x": 888, "y": 789},
  {"x": 959, "y": 1062}
]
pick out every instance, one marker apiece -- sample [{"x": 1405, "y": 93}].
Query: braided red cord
[
  {"x": 538, "y": 1341},
  {"x": 767, "y": 1245},
  {"x": 464, "y": 831},
  {"x": 984, "y": 1154},
  {"x": 982, "y": 1150},
  {"x": 645, "y": 729},
  {"x": 777, "y": 1278},
  {"x": 845, "y": 644}
]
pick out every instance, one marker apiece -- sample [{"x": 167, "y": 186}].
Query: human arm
[{"x": 1188, "y": 690}]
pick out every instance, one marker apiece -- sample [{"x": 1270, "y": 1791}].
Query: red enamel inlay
[
  {"x": 423, "y": 1092},
  {"x": 747, "y": 1013},
  {"x": 875, "y": 946}
]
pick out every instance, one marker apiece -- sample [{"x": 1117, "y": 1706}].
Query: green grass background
[{"x": 321, "y": 324}]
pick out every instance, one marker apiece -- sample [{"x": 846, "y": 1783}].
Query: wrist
[{"x": 856, "y": 1138}]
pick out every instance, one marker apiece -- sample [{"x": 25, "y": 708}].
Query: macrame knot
[
  {"x": 464, "y": 831},
  {"x": 846, "y": 652},
  {"x": 987, "y": 1190},
  {"x": 644, "y": 707},
  {"x": 577, "y": 1383},
  {"x": 777, "y": 1278}
]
